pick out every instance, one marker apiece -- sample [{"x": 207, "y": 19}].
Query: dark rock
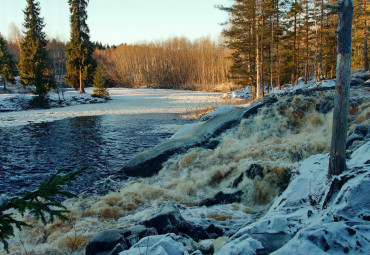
[
  {"x": 118, "y": 249},
  {"x": 150, "y": 162},
  {"x": 325, "y": 106},
  {"x": 236, "y": 181},
  {"x": 358, "y": 134},
  {"x": 211, "y": 144},
  {"x": 222, "y": 198},
  {"x": 253, "y": 171},
  {"x": 151, "y": 166},
  {"x": 253, "y": 110},
  {"x": 356, "y": 82},
  {"x": 366, "y": 83},
  {"x": 168, "y": 220},
  {"x": 207, "y": 247},
  {"x": 141, "y": 231},
  {"x": 106, "y": 241},
  {"x": 214, "y": 232},
  {"x": 198, "y": 233}
]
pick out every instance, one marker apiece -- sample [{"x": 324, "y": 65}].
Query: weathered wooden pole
[{"x": 337, "y": 161}]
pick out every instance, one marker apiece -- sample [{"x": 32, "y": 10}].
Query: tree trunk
[
  {"x": 337, "y": 161},
  {"x": 82, "y": 89},
  {"x": 365, "y": 52}
]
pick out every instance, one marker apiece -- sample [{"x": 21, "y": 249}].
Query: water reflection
[{"x": 102, "y": 143}]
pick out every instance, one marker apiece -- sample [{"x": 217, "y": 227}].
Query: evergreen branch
[{"x": 41, "y": 203}]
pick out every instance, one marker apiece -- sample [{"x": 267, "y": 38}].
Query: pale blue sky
[{"x": 126, "y": 21}]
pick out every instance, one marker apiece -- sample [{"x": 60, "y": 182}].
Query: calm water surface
[{"x": 102, "y": 143}]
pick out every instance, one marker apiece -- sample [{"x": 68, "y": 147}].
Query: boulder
[
  {"x": 358, "y": 134},
  {"x": 114, "y": 241},
  {"x": 106, "y": 241},
  {"x": 206, "y": 247},
  {"x": 168, "y": 244},
  {"x": 168, "y": 219},
  {"x": 222, "y": 198},
  {"x": 149, "y": 162}
]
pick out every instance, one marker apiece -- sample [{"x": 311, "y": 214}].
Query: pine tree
[
  {"x": 80, "y": 63},
  {"x": 33, "y": 61},
  {"x": 6, "y": 63},
  {"x": 99, "y": 85}
]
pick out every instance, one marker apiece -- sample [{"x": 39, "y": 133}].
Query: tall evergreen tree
[
  {"x": 33, "y": 61},
  {"x": 80, "y": 63},
  {"x": 6, "y": 63}
]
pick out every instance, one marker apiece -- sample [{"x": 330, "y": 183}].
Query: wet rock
[
  {"x": 253, "y": 110},
  {"x": 149, "y": 163},
  {"x": 325, "y": 106},
  {"x": 106, "y": 241},
  {"x": 252, "y": 172},
  {"x": 168, "y": 220},
  {"x": 214, "y": 232},
  {"x": 198, "y": 233},
  {"x": 237, "y": 181},
  {"x": 222, "y": 198},
  {"x": 116, "y": 240},
  {"x": 358, "y": 134}
]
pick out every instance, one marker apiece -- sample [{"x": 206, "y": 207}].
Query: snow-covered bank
[
  {"x": 124, "y": 101},
  {"x": 314, "y": 215}
]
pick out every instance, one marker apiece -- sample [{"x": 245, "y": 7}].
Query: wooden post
[{"x": 337, "y": 161}]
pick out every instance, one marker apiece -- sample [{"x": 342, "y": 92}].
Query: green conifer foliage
[
  {"x": 99, "y": 85},
  {"x": 6, "y": 63},
  {"x": 80, "y": 64},
  {"x": 33, "y": 61},
  {"x": 41, "y": 203}
]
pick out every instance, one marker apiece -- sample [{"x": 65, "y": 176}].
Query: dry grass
[{"x": 204, "y": 109}]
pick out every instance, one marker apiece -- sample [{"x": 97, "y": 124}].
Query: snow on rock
[
  {"x": 149, "y": 162},
  {"x": 315, "y": 215},
  {"x": 224, "y": 109},
  {"x": 168, "y": 244}
]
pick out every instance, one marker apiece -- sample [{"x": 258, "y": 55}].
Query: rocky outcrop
[
  {"x": 314, "y": 215},
  {"x": 150, "y": 162}
]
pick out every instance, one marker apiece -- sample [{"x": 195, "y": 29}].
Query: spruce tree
[
  {"x": 6, "y": 63},
  {"x": 99, "y": 85},
  {"x": 80, "y": 63},
  {"x": 33, "y": 61}
]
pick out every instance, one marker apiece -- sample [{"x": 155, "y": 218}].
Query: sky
[{"x": 126, "y": 21}]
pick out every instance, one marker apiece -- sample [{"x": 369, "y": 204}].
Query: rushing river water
[{"x": 102, "y": 143}]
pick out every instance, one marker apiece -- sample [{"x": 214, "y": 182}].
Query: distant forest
[{"x": 272, "y": 42}]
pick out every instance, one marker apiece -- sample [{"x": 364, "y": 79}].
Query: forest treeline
[
  {"x": 175, "y": 63},
  {"x": 265, "y": 44},
  {"x": 276, "y": 42}
]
